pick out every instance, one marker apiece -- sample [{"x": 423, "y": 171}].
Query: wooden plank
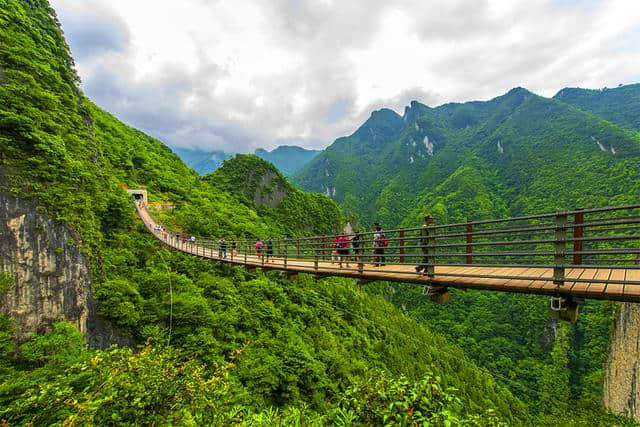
[
  {"x": 536, "y": 285},
  {"x": 597, "y": 288},
  {"x": 500, "y": 283},
  {"x": 580, "y": 288},
  {"x": 632, "y": 291},
  {"x": 473, "y": 281},
  {"x": 522, "y": 284},
  {"x": 550, "y": 286},
  {"x": 455, "y": 270},
  {"x": 616, "y": 290}
]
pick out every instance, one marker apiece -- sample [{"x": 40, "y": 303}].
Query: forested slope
[
  {"x": 223, "y": 346},
  {"x": 620, "y": 105},
  {"x": 527, "y": 153},
  {"x": 516, "y": 154}
]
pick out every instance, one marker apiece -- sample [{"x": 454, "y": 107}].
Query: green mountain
[
  {"x": 287, "y": 158},
  {"x": 516, "y": 154},
  {"x": 619, "y": 105},
  {"x": 262, "y": 187},
  {"x": 223, "y": 346},
  {"x": 519, "y": 153}
]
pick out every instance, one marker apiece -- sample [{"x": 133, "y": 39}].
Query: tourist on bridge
[
  {"x": 232, "y": 244},
  {"x": 380, "y": 242},
  {"x": 270, "y": 249},
  {"x": 358, "y": 246},
  {"x": 424, "y": 241},
  {"x": 334, "y": 250},
  {"x": 259, "y": 245},
  {"x": 222, "y": 248},
  {"x": 342, "y": 247}
]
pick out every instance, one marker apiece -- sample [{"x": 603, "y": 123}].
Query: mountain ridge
[{"x": 424, "y": 151}]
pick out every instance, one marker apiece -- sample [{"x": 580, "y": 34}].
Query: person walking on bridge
[
  {"x": 342, "y": 247},
  {"x": 358, "y": 246},
  {"x": 424, "y": 241},
  {"x": 270, "y": 249},
  {"x": 222, "y": 248},
  {"x": 259, "y": 245},
  {"x": 380, "y": 242}
]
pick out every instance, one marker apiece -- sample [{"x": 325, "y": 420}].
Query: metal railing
[{"x": 602, "y": 238}]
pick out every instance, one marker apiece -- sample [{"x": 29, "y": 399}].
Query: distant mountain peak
[
  {"x": 289, "y": 159},
  {"x": 414, "y": 110}
]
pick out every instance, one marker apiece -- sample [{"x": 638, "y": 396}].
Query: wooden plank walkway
[{"x": 504, "y": 279}]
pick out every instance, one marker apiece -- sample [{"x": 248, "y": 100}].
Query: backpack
[{"x": 384, "y": 242}]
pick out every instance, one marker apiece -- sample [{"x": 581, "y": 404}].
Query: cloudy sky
[{"x": 241, "y": 74}]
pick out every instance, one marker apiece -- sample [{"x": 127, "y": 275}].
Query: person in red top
[
  {"x": 259, "y": 248},
  {"x": 342, "y": 247}
]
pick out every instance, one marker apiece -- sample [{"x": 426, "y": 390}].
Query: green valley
[{"x": 151, "y": 336}]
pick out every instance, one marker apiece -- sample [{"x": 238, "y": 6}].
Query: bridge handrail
[{"x": 527, "y": 245}]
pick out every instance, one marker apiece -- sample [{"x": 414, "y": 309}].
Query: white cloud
[{"x": 246, "y": 74}]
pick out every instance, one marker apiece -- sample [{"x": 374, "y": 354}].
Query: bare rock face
[
  {"x": 50, "y": 275},
  {"x": 269, "y": 193},
  {"x": 622, "y": 377}
]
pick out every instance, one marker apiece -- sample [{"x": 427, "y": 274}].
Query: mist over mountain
[
  {"x": 203, "y": 162},
  {"x": 288, "y": 159}
]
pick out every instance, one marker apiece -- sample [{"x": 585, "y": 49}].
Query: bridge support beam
[
  {"x": 566, "y": 308},
  {"x": 438, "y": 294}
]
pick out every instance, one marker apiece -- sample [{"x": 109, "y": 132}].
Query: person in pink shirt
[{"x": 342, "y": 247}]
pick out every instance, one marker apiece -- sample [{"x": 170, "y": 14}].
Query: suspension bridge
[{"x": 570, "y": 256}]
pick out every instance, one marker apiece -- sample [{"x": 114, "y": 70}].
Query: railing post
[
  {"x": 298, "y": 248},
  {"x": 431, "y": 251},
  {"x": 559, "y": 248},
  {"x": 469, "y": 248},
  {"x": 401, "y": 244},
  {"x": 315, "y": 262},
  {"x": 578, "y": 232},
  {"x": 324, "y": 245},
  {"x": 285, "y": 254}
]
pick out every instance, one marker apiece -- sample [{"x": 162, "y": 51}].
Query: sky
[{"x": 245, "y": 74}]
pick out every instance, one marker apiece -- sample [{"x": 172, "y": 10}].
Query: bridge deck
[{"x": 505, "y": 279}]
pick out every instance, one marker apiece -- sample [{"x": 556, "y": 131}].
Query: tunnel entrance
[{"x": 138, "y": 195}]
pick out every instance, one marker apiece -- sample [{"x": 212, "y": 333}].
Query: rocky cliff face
[
  {"x": 50, "y": 278},
  {"x": 49, "y": 275},
  {"x": 622, "y": 377}
]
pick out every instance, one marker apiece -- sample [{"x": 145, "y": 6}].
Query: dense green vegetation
[
  {"x": 260, "y": 186},
  {"x": 516, "y": 154},
  {"x": 514, "y": 337},
  {"x": 304, "y": 344},
  {"x": 228, "y": 346},
  {"x": 619, "y": 105}
]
